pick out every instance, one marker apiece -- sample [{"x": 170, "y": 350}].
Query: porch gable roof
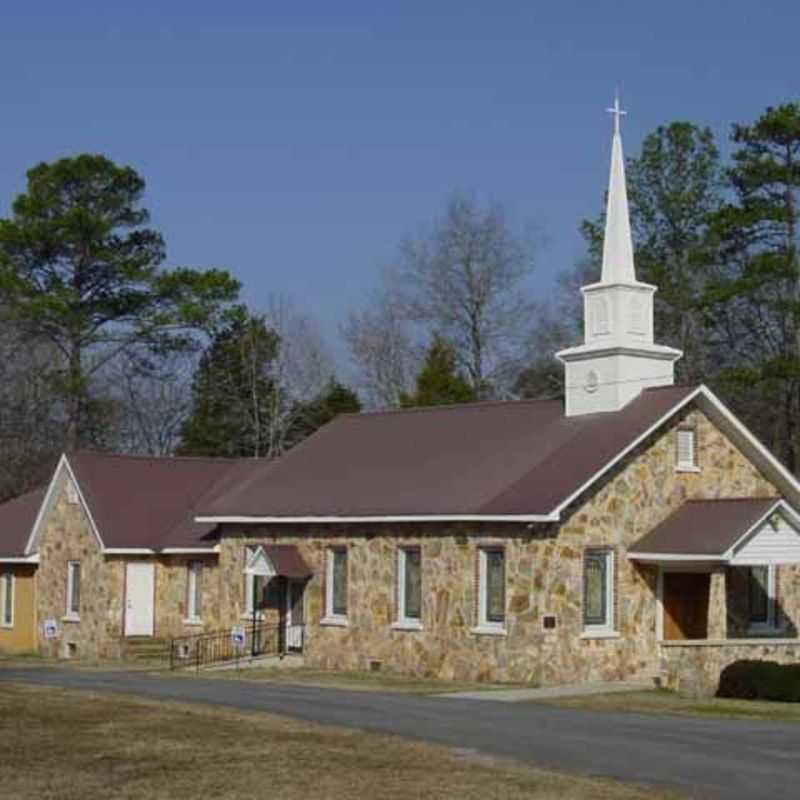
[{"x": 705, "y": 529}]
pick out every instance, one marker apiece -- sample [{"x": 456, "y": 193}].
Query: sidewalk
[{"x": 549, "y": 692}]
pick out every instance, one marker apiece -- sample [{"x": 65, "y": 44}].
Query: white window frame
[
  {"x": 772, "y": 622},
  {"x": 71, "y": 613},
  {"x": 403, "y": 621},
  {"x": 6, "y": 579},
  {"x": 249, "y": 584},
  {"x": 485, "y": 625},
  {"x": 330, "y": 617},
  {"x": 686, "y": 464},
  {"x": 194, "y": 573},
  {"x": 606, "y": 629}
]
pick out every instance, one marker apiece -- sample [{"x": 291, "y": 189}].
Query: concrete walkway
[{"x": 549, "y": 692}]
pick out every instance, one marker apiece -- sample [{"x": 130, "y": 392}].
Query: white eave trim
[
  {"x": 243, "y": 520},
  {"x": 34, "y": 559},
  {"x": 149, "y": 551},
  {"x": 632, "y": 446},
  {"x": 63, "y": 464},
  {"x": 659, "y": 557},
  {"x": 781, "y": 505}
]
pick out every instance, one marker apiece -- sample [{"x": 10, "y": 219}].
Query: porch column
[{"x": 717, "y": 606}]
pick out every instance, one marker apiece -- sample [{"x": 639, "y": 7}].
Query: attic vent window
[
  {"x": 72, "y": 493},
  {"x": 686, "y": 450}
]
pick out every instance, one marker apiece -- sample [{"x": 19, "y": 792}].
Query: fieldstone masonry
[{"x": 544, "y": 575}]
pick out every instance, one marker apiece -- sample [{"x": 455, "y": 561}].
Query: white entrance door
[
  {"x": 294, "y": 615},
  {"x": 139, "y": 590}
]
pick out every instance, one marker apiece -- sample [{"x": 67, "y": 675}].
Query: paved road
[{"x": 704, "y": 758}]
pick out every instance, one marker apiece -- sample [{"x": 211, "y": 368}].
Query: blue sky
[{"x": 296, "y": 143}]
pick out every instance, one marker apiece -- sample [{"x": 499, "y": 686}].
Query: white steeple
[
  {"x": 617, "y": 243},
  {"x": 618, "y": 357}
]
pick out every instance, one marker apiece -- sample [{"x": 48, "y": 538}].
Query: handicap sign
[
  {"x": 237, "y": 637},
  {"x": 50, "y": 629}
]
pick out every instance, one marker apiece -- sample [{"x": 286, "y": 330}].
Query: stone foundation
[{"x": 694, "y": 667}]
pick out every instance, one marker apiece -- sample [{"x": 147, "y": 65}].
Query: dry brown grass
[
  {"x": 664, "y": 702},
  {"x": 358, "y": 681},
  {"x": 81, "y": 745}
]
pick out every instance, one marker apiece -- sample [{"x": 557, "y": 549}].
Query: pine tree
[{"x": 439, "y": 382}]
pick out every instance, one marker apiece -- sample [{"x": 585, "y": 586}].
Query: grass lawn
[
  {"x": 360, "y": 681},
  {"x": 664, "y": 702},
  {"x": 74, "y": 745}
]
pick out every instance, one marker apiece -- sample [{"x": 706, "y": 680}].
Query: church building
[{"x": 635, "y": 529}]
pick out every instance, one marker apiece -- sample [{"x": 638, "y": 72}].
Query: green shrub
[{"x": 760, "y": 680}]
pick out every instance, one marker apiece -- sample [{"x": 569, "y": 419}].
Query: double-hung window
[
  {"x": 73, "y": 590},
  {"x": 7, "y": 599},
  {"x": 761, "y": 597},
  {"x": 336, "y": 586},
  {"x": 491, "y": 589},
  {"x": 253, "y": 585},
  {"x": 194, "y": 591},
  {"x": 598, "y": 591},
  {"x": 409, "y": 587}
]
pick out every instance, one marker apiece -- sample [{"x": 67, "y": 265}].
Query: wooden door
[{"x": 686, "y": 605}]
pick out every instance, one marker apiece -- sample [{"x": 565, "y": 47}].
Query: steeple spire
[
  {"x": 619, "y": 357},
  {"x": 617, "y": 244}
]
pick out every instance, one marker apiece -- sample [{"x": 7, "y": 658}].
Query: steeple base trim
[{"x": 603, "y": 380}]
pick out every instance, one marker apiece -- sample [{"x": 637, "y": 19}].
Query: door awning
[
  {"x": 283, "y": 560},
  {"x": 736, "y": 531}
]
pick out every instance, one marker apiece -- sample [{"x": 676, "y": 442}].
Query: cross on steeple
[{"x": 617, "y": 112}]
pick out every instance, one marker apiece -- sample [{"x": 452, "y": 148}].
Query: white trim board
[{"x": 65, "y": 468}]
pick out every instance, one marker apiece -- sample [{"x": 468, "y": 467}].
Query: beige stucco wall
[
  {"x": 21, "y": 637},
  {"x": 544, "y": 568}
]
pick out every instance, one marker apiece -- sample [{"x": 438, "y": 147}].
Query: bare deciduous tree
[
  {"x": 464, "y": 280},
  {"x": 382, "y": 349}
]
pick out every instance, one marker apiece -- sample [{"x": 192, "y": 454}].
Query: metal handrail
[{"x": 199, "y": 649}]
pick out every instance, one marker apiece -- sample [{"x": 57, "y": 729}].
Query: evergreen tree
[
  {"x": 233, "y": 392},
  {"x": 335, "y": 399},
  {"x": 80, "y": 270},
  {"x": 755, "y": 301},
  {"x": 439, "y": 382}
]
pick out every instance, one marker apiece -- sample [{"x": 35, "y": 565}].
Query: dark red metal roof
[
  {"x": 507, "y": 458},
  {"x": 17, "y": 517},
  {"x": 287, "y": 561},
  {"x": 704, "y": 527},
  {"x": 148, "y": 502}
]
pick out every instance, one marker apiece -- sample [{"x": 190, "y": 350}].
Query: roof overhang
[
  {"x": 152, "y": 551},
  {"x": 31, "y": 559},
  {"x": 240, "y": 519},
  {"x": 705, "y": 399},
  {"x": 728, "y": 555}
]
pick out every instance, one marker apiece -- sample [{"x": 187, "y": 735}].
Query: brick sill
[
  {"x": 690, "y": 470},
  {"x": 601, "y": 634},
  {"x": 406, "y": 626},
  {"x": 70, "y": 619},
  {"x": 333, "y": 622},
  {"x": 485, "y": 630},
  {"x": 195, "y": 623}
]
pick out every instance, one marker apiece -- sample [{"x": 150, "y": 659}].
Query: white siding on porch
[{"x": 768, "y": 545}]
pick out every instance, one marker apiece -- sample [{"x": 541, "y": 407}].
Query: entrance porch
[{"x": 728, "y": 587}]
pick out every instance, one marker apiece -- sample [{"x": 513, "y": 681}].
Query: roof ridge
[
  {"x": 168, "y": 459},
  {"x": 450, "y": 407}
]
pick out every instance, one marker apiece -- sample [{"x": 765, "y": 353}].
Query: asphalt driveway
[{"x": 701, "y": 757}]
